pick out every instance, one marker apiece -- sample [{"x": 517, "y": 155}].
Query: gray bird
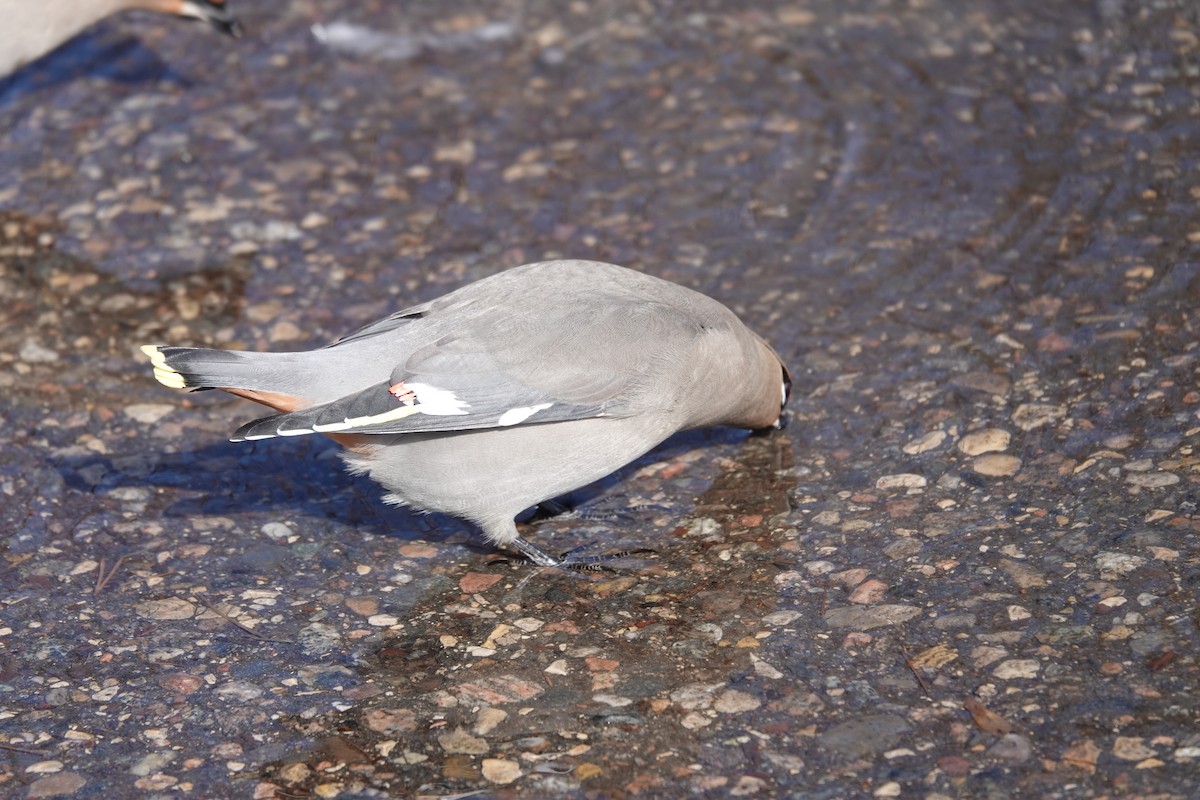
[
  {"x": 510, "y": 391},
  {"x": 31, "y": 28}
]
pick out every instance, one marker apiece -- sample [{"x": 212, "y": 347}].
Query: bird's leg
[{"x": 539, "y": 557}]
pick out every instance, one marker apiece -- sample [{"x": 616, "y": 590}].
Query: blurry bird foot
[
  {"x": 574, "y": 559},
  {"x": 599, "y": 562}
]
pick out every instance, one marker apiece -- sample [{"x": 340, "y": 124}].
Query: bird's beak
[{"x": 214, "y": 13}]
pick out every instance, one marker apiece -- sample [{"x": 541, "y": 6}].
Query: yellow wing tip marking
[{"x": 163, "y": 372}]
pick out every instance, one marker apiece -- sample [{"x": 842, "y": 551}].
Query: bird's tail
[{"x": 201, "y": 368}]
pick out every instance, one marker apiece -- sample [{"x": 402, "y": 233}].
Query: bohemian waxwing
[
  {"x": 510, "y": 391},
  {"x": 31, "y": 28}
]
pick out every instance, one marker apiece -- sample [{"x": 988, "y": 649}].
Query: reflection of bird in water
[
  {"x": 515, "y": 389},
  {"x": 31, "y": 28}
]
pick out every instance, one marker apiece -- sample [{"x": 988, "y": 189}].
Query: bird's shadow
[
  {"x": 104, "y": 52},
  {"x": 303, "y": 476}
]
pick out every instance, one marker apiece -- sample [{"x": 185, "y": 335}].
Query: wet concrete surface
[{"x": 967, "y": 569}]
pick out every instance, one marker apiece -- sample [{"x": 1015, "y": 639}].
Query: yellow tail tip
[
  {"x": 170, "y": 379},
  {"x": 154, "y": 354},
  {"x": 163, "y": 372}
]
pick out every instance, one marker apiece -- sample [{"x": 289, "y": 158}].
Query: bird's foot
[{"x": 576, "y": 558}]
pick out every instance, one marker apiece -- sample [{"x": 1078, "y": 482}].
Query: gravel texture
[{"x": 969, "y": 567}]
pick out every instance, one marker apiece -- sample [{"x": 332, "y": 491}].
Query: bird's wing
[{"x": 505, "y": 370}]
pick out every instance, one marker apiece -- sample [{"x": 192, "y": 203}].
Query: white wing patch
[
  {"x": 515, "y": 416},
  {"x": 435, "y": 401},
  {"x": 429, "y": 400},
  {"x": 361, "y": 422},
  {"x": 292, "y": 431}
]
